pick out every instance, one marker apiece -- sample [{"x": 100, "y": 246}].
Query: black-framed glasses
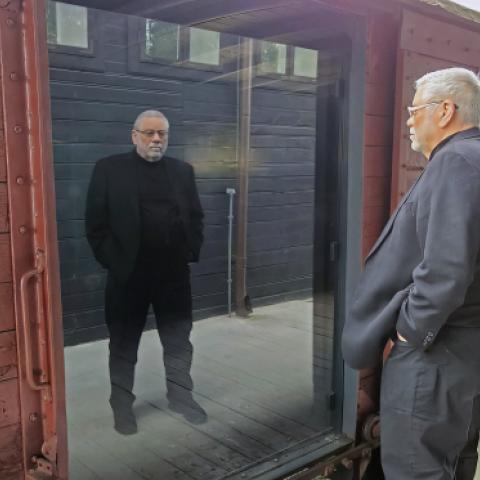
[{"x": 151, "y": 133}]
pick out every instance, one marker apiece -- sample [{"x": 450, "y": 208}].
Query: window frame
[
  {"x": 90, "y": 51},
  {"x": 289, "y": 74},
  {"x": 184, "y": 50}
]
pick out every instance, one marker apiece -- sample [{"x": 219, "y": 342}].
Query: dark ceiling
[{"x": 303, "y": 22}]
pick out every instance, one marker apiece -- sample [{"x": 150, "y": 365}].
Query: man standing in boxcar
[
  {"x": 421, "y": 288},
  {"x": 144, "y": 223}
]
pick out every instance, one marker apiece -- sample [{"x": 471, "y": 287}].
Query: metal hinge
[
  {"x": 334, "y": 250},
  {"x": 331, "y": 400}
]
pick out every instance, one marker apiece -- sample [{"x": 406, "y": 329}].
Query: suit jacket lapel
[
  {"x": 131, "y": 187},
  {"x": 388, "y": 227}
]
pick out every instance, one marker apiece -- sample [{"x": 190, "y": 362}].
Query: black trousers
[
  {"x": 126, "y": 309},
  {"x": 430, "y": 409}
]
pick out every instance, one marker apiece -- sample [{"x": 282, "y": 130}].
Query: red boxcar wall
[
  {"x": 379, "y": 100},
  {"x": 426, "y": 44},
  {"x": 10, "y": 428},
  {"x": 382, "y": 42}
]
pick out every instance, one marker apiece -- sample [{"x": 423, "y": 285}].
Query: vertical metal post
[
  {"x": 231, "y": 196},
  {"x": 245, "y": 114}
]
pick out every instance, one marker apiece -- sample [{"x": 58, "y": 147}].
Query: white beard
[
  {"x": 416, "y": 147},
  {"x": 154, "y": 156}
]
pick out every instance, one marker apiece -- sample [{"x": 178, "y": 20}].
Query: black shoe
[
  {"x": 124, "y": 420},
  {"x": 191, "y": 411}
]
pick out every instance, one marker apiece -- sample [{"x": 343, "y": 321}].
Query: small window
[
  {"x": 162, "y": 40},
  {"x": 273, "y": 58},
  {"x": 305, "y": 62},
  {"x": 204, "y": 46},
  {"x": 174, "y": 43},
  {"x": 67, "y": 25}
]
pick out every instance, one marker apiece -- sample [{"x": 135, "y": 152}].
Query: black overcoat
[
  {"x": 423, "y": 273},
  {"x": 112, "y": 217}
]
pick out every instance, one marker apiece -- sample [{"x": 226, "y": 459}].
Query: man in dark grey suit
[
  {"x": 144, "y": 223},
  {"x": 421, "y": 288}
]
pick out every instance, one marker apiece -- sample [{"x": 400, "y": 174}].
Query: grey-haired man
[
  {"x": 421, "y": 288},
  {"x": 144, "y": 223}
]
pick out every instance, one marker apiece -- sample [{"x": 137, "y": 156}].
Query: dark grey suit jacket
[
  {"x": 423, "y": 273},
  {"x": 112, "y": 216}
]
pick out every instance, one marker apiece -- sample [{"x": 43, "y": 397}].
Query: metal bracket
[
  {"x": 42, "y": 469},
  {"x": 355, "y": 458},
  {"x": 49, "y": 449}
]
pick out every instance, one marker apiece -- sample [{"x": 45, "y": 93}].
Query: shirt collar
[{"x": 464, "y": 134}]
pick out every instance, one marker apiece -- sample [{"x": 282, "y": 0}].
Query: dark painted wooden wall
[
  {"x": 280, "y": 230},
  {"x": 94, "y": 102}
]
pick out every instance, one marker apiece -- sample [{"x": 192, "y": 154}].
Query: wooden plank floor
[{"x": 254, "y": 377}]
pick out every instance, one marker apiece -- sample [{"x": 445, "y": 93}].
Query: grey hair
[
  {"x": 149, "y": 114},
  {"x": 460, "y": 85}
]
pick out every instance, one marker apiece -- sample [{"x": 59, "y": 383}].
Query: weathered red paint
[
  {"x": 39, "y": 415},
  {"x": 425, "y": 44},
  {"x": 402, "y": 44}
]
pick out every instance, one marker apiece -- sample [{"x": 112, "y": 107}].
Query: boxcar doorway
[{"x": 264, "y": 382}]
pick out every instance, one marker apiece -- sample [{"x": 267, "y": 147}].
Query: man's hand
[{"x": 402, "y": 339}]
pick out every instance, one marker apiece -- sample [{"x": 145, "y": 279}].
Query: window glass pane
[
  {"x": 162, "y": 40},
  {"x": 273, "y": 58},
  {"x": 204, "y": 46},
  {"x": 71, "y": 25},
  {"x": 213, "y": 396},
  {"x": 305, "y": 62}
]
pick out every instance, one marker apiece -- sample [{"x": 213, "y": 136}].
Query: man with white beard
[
  {"x": 144, "y": 223},
  {"x": 421, "y": 288}
]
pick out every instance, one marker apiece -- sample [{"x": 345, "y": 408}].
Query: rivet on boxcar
[
  {"x": 10, "y": 21},
  {"x": 33, "y": 417},
  {"x": 20, "y": 180},
  {"x": 18, "y": 129},
  {"x": 14, "y": 76},
  {"x": 22, "y": 229}
]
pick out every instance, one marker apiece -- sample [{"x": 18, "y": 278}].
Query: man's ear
[
  {"x": 447, "y": 113},
  {"x": 134, "y": 137}
]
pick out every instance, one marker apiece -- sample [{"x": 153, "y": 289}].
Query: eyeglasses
[
  {"x": 151, "y": 133},
  {"x": 412, "y": 110}
]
